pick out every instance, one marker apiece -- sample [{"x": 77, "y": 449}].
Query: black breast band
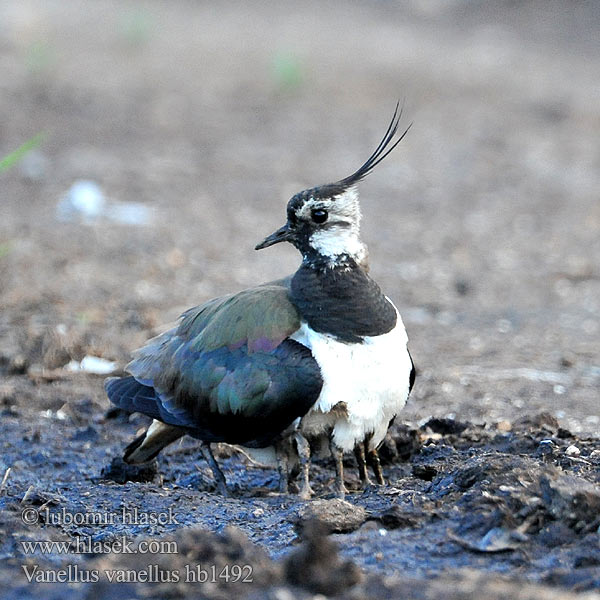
[{"x": 342, "y": 301}]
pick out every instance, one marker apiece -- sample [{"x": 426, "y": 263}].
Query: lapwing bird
[{"x": 322, "y": 353}]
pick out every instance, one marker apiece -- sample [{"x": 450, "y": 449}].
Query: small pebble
[
  {"x": 572, "y": 451},
  {"x": 283, "y": 594}
]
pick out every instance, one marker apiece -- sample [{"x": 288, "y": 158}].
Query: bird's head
[{"x": 324, "y": 222}]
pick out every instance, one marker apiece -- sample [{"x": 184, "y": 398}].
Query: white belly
[{"x": 371, "y": 378}]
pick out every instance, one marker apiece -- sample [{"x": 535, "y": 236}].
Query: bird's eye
[{"x": 319, "y": 215}]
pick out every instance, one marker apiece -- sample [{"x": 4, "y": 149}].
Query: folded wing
[{"x": 227, "y": 372}]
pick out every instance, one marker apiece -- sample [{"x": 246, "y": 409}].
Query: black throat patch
[{"x": 342, "y": 301}]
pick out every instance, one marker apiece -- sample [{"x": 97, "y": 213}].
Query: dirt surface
[
  {"x": 483, "y": 227},
  {"x": 516, "y": 502}
]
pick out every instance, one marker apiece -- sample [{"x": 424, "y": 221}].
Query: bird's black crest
[
  {"x": 380, "y": 152},
  {"x": 383, "y": 149}
]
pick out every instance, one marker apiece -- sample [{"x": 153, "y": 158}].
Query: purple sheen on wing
[{"x": 262, "y": 344}]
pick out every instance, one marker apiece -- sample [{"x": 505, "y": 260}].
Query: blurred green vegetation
[
  {"x": 14, "y": 157},
  {"x": 40, "y": 56},
  {"x": 287, "y": 70},
  {"x": 136, "y": 26}
]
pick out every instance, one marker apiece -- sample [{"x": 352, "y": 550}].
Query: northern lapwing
[{"x": 320, "y": 353}]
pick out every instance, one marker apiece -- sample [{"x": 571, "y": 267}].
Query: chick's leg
[
  {"x": 359, "y": 452},
  {"x": 338, "y": 457},
  {"x": 303, "y": 448},
  {"x": 282, "y": 449},
  {"x": 373, "y": 460}
]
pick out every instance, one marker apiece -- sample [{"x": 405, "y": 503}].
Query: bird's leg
[
  {"x": 303, "y": 448},
  {"x": 359, "y": 452},
  {"x": 338, "y": 457},
  {"x": 214, "y": 467},
  {"x": 281, "y": 452},
  {"x": 373, "y": 460}
]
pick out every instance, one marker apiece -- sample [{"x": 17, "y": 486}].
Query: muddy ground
[{"x": 483, "y": 227}]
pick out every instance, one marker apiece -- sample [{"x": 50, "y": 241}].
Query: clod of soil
[
  {"x": 336, "y": 515},
  {"x": 572, "y": 501},
  {"x": 120, "y": 472},
  {"x": 317, "y": 566}
]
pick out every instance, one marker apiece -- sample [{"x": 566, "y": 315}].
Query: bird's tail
[
  {"x": 131, "y": 395},
  {"x": 147, "y": 446}
]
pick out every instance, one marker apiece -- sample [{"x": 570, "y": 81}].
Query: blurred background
[{"x": 167, "y": 136}]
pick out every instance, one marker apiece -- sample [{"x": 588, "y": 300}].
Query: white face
[
  {"x": 339, "y": 234},
  {"x": 336, "y": 241}
]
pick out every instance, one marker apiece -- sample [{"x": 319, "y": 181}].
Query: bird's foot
[
  {"x": 371, "y": 488},
  {"x": 222, "y": 488},
  {"x": 305, "y": 492},
  {"x": 366, "y": 483},
  {"x": 303, "y": 448},
  {"x": 340, "y": 490}
]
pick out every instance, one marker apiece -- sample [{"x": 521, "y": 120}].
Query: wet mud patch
[{"x": 510, "y": 502}]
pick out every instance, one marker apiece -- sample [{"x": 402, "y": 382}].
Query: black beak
[{"x": 283, "y": 234}]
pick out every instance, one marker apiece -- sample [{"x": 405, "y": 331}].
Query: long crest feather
[{"x": 382, "y": 150}]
